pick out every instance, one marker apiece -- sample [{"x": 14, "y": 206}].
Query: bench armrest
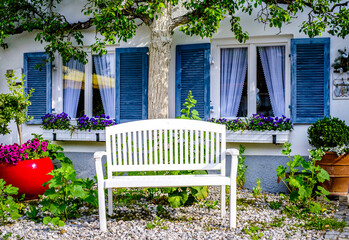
[
  {"x": 98, "y": 164},
  {"x": 234, "y": 161}
]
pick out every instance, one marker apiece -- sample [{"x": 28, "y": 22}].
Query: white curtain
[
  {"x": 273, "y": 63},
  {"x": 105, "y": 71},
  {"x": 233, "y": 72},
  {"x": 73, "y": 77}
]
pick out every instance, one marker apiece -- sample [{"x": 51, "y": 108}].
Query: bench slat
[
  {"x": 167, "y": 181},
  {"x": 172, "y": 167}
]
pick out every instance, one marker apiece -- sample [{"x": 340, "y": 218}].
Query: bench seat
[{"x": 167, "y": 181}]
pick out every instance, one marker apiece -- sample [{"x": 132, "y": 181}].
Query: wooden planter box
[
  {"x": 248, "y": 136},
  {"x": 77, "y": 135}
]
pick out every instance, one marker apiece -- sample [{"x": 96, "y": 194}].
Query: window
[
  {"x": 114, "y": 84},
  {"x": 250, "y": 78},
  {"x": 270, "y": 81}
]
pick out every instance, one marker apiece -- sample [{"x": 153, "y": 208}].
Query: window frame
[
  {"x": 88, "y": 101},
  {"x": 251, "y": 45}
]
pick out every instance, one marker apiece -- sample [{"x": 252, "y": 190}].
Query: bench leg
[
  {"x": 110, "y": 201},
  {"x": 101, "y": 204},
  {"x": 223, "y": 201},
  {"x": 232, "y": 206}
]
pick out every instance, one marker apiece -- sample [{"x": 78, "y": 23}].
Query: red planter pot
[{"x": 28, "y": 176}]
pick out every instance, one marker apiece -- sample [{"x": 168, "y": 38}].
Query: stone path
[{"x": 342, "y": 214}]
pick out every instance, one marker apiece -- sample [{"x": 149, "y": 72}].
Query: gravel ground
[{"x": 199, "y": 221}]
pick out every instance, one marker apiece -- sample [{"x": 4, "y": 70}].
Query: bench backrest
[{"x": 165, "y": 144}]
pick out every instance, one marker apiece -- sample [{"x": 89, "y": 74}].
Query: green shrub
[
  {"x": 8, "y": 206},
  {"x": 328, "y": 133},
  {"x": 66, "y": 195},
  {"x": 241, "y": 179},
  {"x": 303, "y": 184}
]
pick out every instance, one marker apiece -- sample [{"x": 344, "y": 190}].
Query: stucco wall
[{"x": 259, "y": 156}]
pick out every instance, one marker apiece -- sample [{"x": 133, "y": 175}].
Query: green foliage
[
  {"x": 33, "y": 212},
  {"x": 328, "y": 132},
  {"x": 14, "y": 105},
  {"x": 313, "y": 221},
  {"x": 66, "y": 195},
  {"x": 118, "y": 20},
  {"x": 178, "y": 196},
  {"x": 275, "y": 204},
  {"x": 303, "y": 184},
  {"x": 256, "y": 191},
  {"x": 240, "y": 179},
  {"x": 253, "y": 231},
  {"x": 8, "y": 206},
  {"x": 188, "y": 112},
  {"x": 53, "y": 151}
]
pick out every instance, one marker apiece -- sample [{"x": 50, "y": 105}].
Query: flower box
[
  {"x": 248, "y": 136},
  {"x": 77, "y": 135}
]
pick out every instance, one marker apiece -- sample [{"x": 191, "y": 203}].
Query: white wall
[{"x": 12, "y": 58}]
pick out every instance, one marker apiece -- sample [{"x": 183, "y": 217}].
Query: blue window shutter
[
  {"x": 131, "y": 84},
  {"x": 40, "y": 79},
  {"x": 193, "y": 73},
  {"x": 310, "y": 79}
]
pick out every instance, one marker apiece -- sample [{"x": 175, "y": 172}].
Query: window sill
[
  {"x": 249, "y": 136},
  {"x": 246, "y": 136},
  {"x": 77, "y": 135}
]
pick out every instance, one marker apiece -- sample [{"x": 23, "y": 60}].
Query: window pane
[
  {"x": 271, "y": 81},
  {"x": 233, "y": 82},
  {"x": 104, "y": 85},
  {"x": 73, "y": 88}
]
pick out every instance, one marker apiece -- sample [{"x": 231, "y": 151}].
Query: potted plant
[
  {"x": 26, "y": 166},
  {"x": 332, "y": 136},
  {"x": 23, "y": 165}
]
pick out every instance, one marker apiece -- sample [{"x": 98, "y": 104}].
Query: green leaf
[
  {"x": 78, "y": 191},
  {"x": 150, "y": 226},
  {"x": 323, "y": 175},
  {"x": 46, "y": 220}
]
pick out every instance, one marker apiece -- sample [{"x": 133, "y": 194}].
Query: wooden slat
[
  {"x": 124, "y": 150},
  {"x": 129, "y": 148},
  {"x": 171, "y": 136},
  {"x": 140, "y": 148},
  {"x": 135, "y": 146},
  {"x": 207, "y": 147},
  {"x": 191, "y": 136},
  {"x": 181, "y": 157},
  {"x": 186, "y": 147},
  {"x": 212, "y": 147},
  {"x": 202, "y": 147},
  {"x": 156, "y": 143},
  {"x": 118, "y": 139},
  {"x": 197, "y": 157},
  {"x": 151, "y": 149},
  {"x": 166, "y": 145},
  {"x": 161, "y": 148},
  {"x": 217, "y": 147},
  {"x": 112, "y": 149}
]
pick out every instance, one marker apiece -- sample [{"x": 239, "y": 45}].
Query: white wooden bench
[{"x": 161, "y": 145}]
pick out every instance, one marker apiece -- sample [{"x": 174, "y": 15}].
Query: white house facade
[{"x": 275, "y": 72}]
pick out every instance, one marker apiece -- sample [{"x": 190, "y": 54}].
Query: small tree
[{"x": 14, "y": 105}]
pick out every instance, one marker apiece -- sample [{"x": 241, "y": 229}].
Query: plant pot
[
  {"x": 338, "y": 169},
  {"x": 28, "y": 176}
]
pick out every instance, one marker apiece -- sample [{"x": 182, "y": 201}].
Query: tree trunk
[
  {"x": 19, "y": 133},
  {"x": 159, "y": 64}
]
